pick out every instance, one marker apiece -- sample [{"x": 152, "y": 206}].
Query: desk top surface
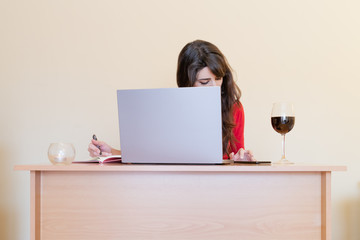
[{"x": 182, "y": 168}]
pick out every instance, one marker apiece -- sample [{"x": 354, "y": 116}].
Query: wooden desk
[{"x": 124, "y": 201}]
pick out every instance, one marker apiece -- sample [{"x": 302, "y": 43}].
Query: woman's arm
[{"x": 239, "y": 153}]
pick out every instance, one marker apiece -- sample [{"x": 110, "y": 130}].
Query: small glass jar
[{"x": 61, "y": 153}]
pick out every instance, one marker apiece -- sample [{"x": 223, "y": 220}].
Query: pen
[{"x": 95, "y": 138}]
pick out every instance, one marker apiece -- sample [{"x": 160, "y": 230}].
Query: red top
[{"x": 238, "y": 131}]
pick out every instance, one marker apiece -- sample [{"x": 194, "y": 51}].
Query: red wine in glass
[
  {"x": 283, "y": 124},
  {"x": 282, "y": 121}
]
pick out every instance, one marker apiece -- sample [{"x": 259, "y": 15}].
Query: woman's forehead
[{"x": 206, "y": 71}]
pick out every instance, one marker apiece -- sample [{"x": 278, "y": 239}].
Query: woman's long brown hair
[{"x": 199, "y": 54}]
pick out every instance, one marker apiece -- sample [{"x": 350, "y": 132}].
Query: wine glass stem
[{"x": 283, "y": 148}]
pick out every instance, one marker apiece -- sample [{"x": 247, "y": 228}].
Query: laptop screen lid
[{"x": 170, "y": 125}]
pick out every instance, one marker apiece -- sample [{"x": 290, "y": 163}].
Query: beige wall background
[{"x": 62, "y": 61}]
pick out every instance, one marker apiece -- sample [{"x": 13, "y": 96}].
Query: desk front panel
[{"x": 180, "y": 205}]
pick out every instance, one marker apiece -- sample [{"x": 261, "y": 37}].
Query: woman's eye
[
  {"x": 204, "y": 82},
  {"x": 218, "y": 78}
]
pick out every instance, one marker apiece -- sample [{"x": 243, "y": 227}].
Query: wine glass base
[{"x": 283, "y": 161}]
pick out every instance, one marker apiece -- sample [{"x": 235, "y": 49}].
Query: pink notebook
[{"x": 109, "y": 159}]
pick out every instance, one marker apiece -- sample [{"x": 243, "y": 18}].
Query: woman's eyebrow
[{"x": 204, "y": 79}]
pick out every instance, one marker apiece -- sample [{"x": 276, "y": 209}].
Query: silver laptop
[{"x": 170, "y": 125}]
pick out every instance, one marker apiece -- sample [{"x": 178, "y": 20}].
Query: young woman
[{"x": 201, "y": 64}]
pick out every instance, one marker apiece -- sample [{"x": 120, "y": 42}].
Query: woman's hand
[
  {"x": 95, "y": 146},
  {"x": 242, "y": 155}
]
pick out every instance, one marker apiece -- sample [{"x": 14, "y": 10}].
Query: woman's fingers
[
  {"x": 250, "y": 156},
  {"x": 93, "y": 150},
  {"x": 241, "y": 153},
  {"x": 244, "y": 155}
]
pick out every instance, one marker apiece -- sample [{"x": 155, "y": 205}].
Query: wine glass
[
  {"x": 282, "y": 121},
  {"x": 61, "y": 153}
]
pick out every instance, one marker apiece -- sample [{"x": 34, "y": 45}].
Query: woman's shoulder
[{"x": 238, "y": 108}]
